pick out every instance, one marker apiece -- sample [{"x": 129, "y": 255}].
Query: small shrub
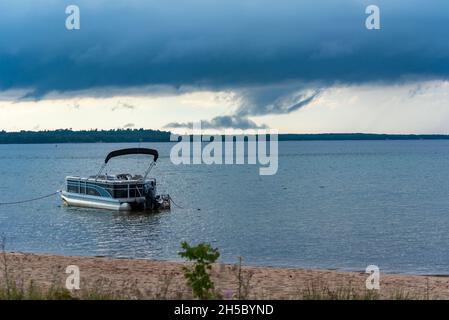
[{"x": 198, "y": 278}]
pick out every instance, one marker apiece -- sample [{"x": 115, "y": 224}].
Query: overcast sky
[{"x": 295, "y": 66}]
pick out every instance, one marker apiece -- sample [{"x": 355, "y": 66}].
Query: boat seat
[
  {"x": 124, "y": 176},
  {"x": 103, "y": 177}
]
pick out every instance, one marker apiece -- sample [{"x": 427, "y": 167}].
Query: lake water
[{"x": 332, "y": 204}]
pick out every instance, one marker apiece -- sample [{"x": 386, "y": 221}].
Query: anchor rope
[
  {"x": 30, "y": 200},
  {"x": 180, "y": 207},
  {"x": 171, "y": 199},
  {"x": 59, "y": 191}
]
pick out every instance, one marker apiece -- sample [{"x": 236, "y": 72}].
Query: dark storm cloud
[
  {"x": 277, "y": 55},
  {"x": 274, "y": 100},
  {"x": 220, "y": 122}
]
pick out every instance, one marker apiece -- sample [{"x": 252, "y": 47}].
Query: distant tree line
[
  {"x": 146, "y": 135},
  {"x": 361, "y": 136},
  {"x": 67, "y": 136}
]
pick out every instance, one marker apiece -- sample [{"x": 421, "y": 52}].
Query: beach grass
[{"x": 42, "y": 277}]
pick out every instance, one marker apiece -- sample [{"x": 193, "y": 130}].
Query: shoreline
[
  {"x": 67, "y": 136},
  {"x": 125, "y": 278}
]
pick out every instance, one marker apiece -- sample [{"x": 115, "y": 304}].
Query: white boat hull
[{"x": 86, "y": 201}]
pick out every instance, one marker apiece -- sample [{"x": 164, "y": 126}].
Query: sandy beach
[{"x": 146, "y": 279}]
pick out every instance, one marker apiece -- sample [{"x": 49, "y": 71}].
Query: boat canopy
[{"x": 123, "y": 152}]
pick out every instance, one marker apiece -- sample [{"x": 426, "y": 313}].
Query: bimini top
[{"x": 123, "y": 152}]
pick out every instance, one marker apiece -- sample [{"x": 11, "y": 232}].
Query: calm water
[{"x": 340, "y": 204}]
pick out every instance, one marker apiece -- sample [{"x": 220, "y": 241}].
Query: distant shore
[
  {"x": 148, "y": 279},
  {"x": 145, "y": 135}
]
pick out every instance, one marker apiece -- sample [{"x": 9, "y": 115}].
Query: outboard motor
[{"x": 150, "y": 194}]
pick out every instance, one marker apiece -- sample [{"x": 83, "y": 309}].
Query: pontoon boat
[{"x": 116, "y": 192}]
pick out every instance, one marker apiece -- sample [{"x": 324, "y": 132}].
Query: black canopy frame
[{"x": 123, "y": 152}]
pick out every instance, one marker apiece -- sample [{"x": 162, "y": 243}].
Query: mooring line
[
  {"x": 177, "y": 205},
  {"x": 30, "y": 200},
  {"x": 57, "y": 192},
  {"x": 171, "y": 199}
]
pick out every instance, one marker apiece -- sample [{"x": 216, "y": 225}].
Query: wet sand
[{"x": 147, "y": 279}]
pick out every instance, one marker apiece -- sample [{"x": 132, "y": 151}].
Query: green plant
[{"x": 198, "y": 278}]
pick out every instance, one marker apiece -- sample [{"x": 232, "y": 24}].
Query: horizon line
[{"x": 223, "y": 134}]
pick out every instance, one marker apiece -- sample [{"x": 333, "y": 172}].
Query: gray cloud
[
  {"x": 122, "y": 105},
  {"x": 277, "y": 55},
  {"x": 220, "y": 122},
  {"x": 279, "y": 99},
  {"x": 130, "y": 43},
  {"x": 74, "y": 105},
  {"x": 129, "y": 125}
]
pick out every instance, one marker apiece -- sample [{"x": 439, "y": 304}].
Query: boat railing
[
  {"x": 130, "y": 189},
  {"x": 138, "y": 190}
]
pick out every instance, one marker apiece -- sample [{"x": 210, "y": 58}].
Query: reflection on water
[{"x": 340, "y": 204}]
